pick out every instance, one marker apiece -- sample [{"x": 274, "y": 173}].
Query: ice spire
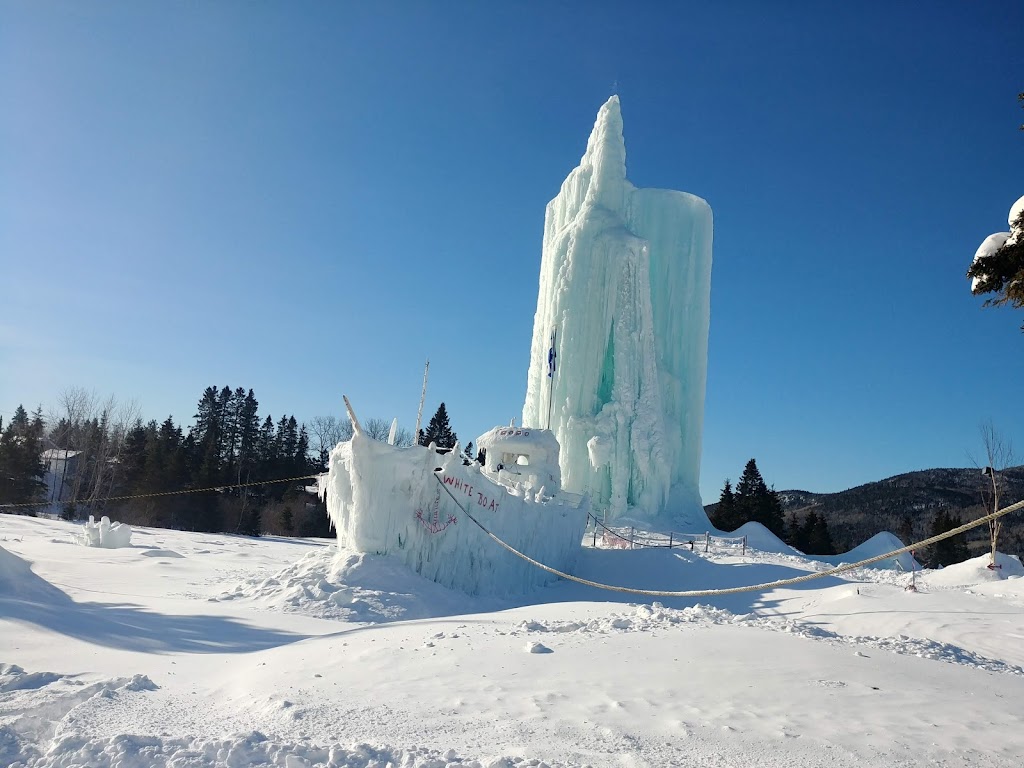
[
  {"x": 606, "y": 157},
  {"x": 626, "y": 278}
]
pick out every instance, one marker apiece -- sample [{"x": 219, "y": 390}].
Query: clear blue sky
[{"x": 310, "y": 199}]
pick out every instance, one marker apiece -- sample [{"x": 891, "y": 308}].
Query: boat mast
[
  {"x": 419, "y": 413},
  {"x": 552, "y": 355}
]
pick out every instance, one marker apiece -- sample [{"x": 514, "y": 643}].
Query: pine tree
[
  {"x": 819, "y": 540},
  {"x": 438, "y": 431},
  {"x": 755, "y": 501},
  {"x": 725, "y": 518},
  {"x": 947, "y": 551},
  {"x": 287, "y": 519},
  {"x": 21, "y": 464},
  {"x": 1002, "y": 272}
]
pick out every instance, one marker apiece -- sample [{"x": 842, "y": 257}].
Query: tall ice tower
[{"x": 625, "y": 291}]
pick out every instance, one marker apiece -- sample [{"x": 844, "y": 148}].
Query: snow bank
[
  {"x": 354, "y": 587},
  {"x": 105, "y": 534},
  {"x": 388, "y": 501},
  {"x": 19, "y": 583},
  {"x": 975, "y": 571}
]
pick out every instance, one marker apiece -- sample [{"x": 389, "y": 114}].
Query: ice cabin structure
[{"x": 522, "y": 456}]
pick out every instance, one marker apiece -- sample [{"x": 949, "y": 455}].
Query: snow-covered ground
[{"x": 191, "y": 649}]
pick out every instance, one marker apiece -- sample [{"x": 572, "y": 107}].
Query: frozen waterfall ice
[{"x": 625, "y": 279}]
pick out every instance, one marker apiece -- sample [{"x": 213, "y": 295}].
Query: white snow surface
[
  {"x": 192, "y": 649},
  {"x": 625, "y": 279}
]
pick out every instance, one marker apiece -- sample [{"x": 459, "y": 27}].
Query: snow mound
[
  {"x": 975, "y": 571},
  {"x": 33, "y": 706},
  {"x": 105, "y": 534},
  {"x": 19, "y": 584},
  {"x": 760, "y": 538},
  {"x": 879, "y": 544},
  {"x": 355, "y": 587}
]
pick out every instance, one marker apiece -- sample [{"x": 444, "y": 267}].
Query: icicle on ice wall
[{"x": 626, "y": 278}]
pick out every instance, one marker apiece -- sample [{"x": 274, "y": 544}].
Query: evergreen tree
[
  {"x": 287, "y": 519},
  {"x": 1002, "y": 272},
  {"x": 792, "y": 531},
  {"x": 754, "y": 501},
  {"x": 21, "y": 464},
  {"x": 725, "y": 518},
  {"x": 819, "y": 540},
  {"x": 248, "y": 437},
  {"x": 947, "y": 551},
  {"x": 905, "y": 529},
  {"x": 772, "y": 514},
  {"x": 439, "y": 431}
]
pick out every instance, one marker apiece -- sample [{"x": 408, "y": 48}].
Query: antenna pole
[
  {"x": 419, "y": 413},
  {"x": 552, "y": 365}
]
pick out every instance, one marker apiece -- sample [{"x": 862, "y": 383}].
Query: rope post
[
  {"x": 595, "y": 529},
  {"x": 670, "y": 539},
  {"x": 744, "y": 552},
  {"x": 632, "y": 532},
  {"x": 707, "y": 541}
]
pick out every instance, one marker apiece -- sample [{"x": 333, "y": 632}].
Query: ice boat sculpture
[
  {"x": 625, "y": 294},
  {"x": 399, "y": 502}
]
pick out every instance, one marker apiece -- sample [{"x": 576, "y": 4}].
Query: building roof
[{"x": 59, "y": 454}]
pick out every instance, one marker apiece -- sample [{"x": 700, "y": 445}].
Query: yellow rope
[
  {"x": 164, "y": 493},
  {"x": 737, "y": 590}
]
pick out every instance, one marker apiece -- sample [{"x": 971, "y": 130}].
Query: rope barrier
[
  {"x": 737, "y": 590},
  {"x": 163, "y": 493},
  {"x": 682, "y": 540}
]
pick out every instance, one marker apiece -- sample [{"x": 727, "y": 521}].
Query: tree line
[
  {"x": 101, "y": 449},
  {"x": 754, "y": 501},
  {"x": 807, "y": 530}
]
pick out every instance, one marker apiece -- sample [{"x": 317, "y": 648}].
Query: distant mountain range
[{"x": 906, "y": 505}]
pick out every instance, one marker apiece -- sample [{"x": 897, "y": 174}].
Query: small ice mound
[
  {"x": 140, "y": 683},
  {"x": 535, "y": 647},
  {"x": 161, "y": 553},
  {"x": 104, "y": 534}
]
